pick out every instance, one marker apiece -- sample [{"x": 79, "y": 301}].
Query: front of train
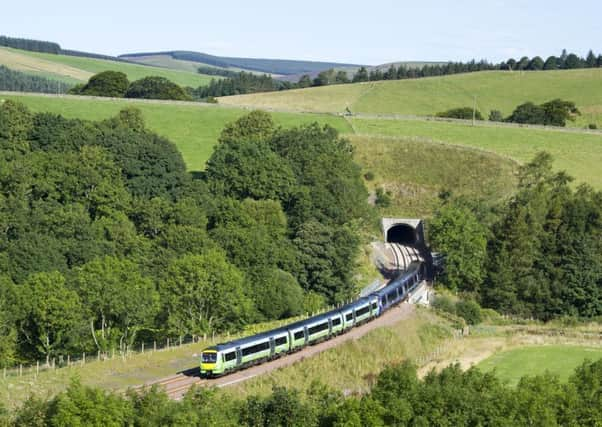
[{"x": 210, "y": 362}]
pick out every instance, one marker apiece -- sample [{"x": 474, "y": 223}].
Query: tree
[
  {"x": 496, "y": 116},
  {"x": 55, "y": 313},
  {"x": 590, "y": 60},
  {"x": 464, "y": 113},
  {"x": 557, "y": 112},
  {"x": 118, "y": 301},
  {"x": 277, "y": 294},
  {"x": 202, "y": 294},
  {"x": 361, "y": 75},
  {"x": 527, "y": 113},
  {"x": 108, "y": 83},
  {"x": 536, "y": 64},
  {"x": 15, "y": 124},
  {"x": 256, "y": 126},
  {"x": 304, "y": 81},
  {"x": 457, "y": 234},
  {"x": 523, "y": 64},
  {"x": 551, "y": 63},
  {"x": 154, "y": 87},
  {"x": 8, "y": 332}
]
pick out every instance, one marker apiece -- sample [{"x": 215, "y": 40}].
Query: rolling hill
[
  {"x": 264, "y": 65},
  {"x": 77, "y": 69},
  {"x": 494, "y": 90}
]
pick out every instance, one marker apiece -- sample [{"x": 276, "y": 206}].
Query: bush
[
  {"x": 444, "y": 303},
  {"x": 383, "y": 198},
  {"x": 464, "y": 113},
  {"x": 369, "y": 176},
  {"x": 592, "y": 126},
  {"x": 154, "y": 87},
  {"x": 108, "y": 83},
  {"x": 551, "y": 113},
  {"x": 496, "y": 116},
  {"x": 469, "y": 311}
]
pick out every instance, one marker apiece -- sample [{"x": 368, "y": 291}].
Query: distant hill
[{"x": 269, "y": 66}]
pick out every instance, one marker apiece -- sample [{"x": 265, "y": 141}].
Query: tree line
[
  {"x": 31, "y": 45},
  {"x": 536, "y": 255},
  {"x": 107, "y": 241},
  {"x": 396, "y": 398},
  {"x": 17, "y": 81}
]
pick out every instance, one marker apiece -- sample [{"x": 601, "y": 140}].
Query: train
[{"x": 231, "y": 356}]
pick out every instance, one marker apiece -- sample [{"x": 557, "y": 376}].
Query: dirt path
[{"x": 176, "y": 386}]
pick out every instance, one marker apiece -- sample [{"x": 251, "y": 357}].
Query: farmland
[
  {"x": 495, "y": 90},
  {"x": 559, "y": 360},
  {"x": 80, "y": 69}
]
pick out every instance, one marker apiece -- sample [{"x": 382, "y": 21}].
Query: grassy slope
[
  {"x": 579, "y": 154},
  {"x": 415, "y": 171},
  {"x": 498, "y": 90},
  {"x": 193, "y": 128},
  {"x": 85, "y": 67},
  {"x": 560, "y": 360}
]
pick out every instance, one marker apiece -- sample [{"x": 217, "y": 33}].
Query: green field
[
  {"x": 580, "y": 154},
  {"x": 415, "y": 171},
  {"x": 559, "y": 360},
  {"x": 499, "y": 90},
  {"x": 193, "y": 127},
  {"x": 80, "y": 68}
]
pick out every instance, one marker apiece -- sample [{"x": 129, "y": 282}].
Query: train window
[
  {"x": 281, "y": 341},
  {"x": 391, "y": 295},
  {"x": 209, "y": 357},
  {"x": 383, "y": 300},
  {"x": 318, "y": 328},
  {"x": 362, "y": 311},
  {"x": 374, "y": 306},
  {"x": 336, "y": 321},
  {"x": 230, "y": 356},
  {"x": 256, "y": 348},
  {"x": 349, "y": 317},
  {"x": 299, "y": 335}
]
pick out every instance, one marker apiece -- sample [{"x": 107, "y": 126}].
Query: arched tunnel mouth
[{"x": 403, "y": 234}]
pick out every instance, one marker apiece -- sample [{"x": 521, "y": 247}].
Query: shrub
[
  {"x": 470, "y": 311},
  {"x": 496, "y": 116},
  {"x": 592, "y": 126},
  {"x": 369, "y": 176},
  {"x": 383, "y": 198},
  {"x": 464, "y": 113},
  {"x": 551, "y": 113},
  {"x": 444, "y": 303},
  {"x": 108, "y": 83},
  {"x": 154, "y": 87}
]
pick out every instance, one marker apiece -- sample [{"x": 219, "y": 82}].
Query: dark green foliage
[
  {"x": 444, "y": 303},
  {"x": 496, "y": 116},
  {"x": 551, "y": 63},
  {"x": 383, "y": 198},
  {"x": 17, "y": 81},
  {"x": 214, "y": 71},
  {"x": 32, "y": 45},
  {"x": 154, "y": 87},
  {"x": 592, "y": 126},
  {"x": 240, "y": 83},
  {"x": 464, "y": 113},
  {"x": 369, "y": 176},
  {"x": 108, "y": 83},
  {"x": 470, "y": 311},
  {"x": 551, "y": 113}
]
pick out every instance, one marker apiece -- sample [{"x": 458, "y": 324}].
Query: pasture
[
  {"x": 193, "y": 127},
  {"x": 580, "y": 154},
  {"x": 494, "y": 90},
  {"x": 81, "y": 68},
  {"x": 560, "y": 360}
]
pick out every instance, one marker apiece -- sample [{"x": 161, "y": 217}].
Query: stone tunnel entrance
[{"x": 403, "y": 234}]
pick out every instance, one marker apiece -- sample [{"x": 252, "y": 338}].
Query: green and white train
[{"x": 234, "y": 355}]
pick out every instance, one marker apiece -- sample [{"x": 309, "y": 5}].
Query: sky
[{"x": 367, "y": 32}]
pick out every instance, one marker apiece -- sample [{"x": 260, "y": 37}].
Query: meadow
[
  {"x": 193, "y": 127},
  {"x": 82, "y": 68},
  {"x": 494, "y": 90},
  {"x": 580, "y": 154},
  {"x": 560, "y": 360}
]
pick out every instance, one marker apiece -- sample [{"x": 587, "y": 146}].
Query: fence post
[
  {"x": 83, "y": 359},
  {"x": 4, "y": 373},
  {"x": 180, "y": 340},
  {"x": 68, "y": 360},
  {"x": 99, "y": 355},
  {"x": 142, "y": 347},
  {"x": 20, "y": 369},
  {"x": 54, "y": 363},
  {"x": 168, "y": 343},
  {"x": 37, "y": 367},
  {"x": 154, "y": 346}
]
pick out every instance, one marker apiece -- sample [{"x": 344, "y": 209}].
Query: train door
[
  {"x": 272, "y": 346},
  {"x": 238, "y": 356},
  {"x": 306, "y": 333},
  {"x": 329, "y": 326}
]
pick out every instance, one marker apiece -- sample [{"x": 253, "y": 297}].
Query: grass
[
  {"x": 194, "y": 128},
  {"x": 81, "y": 68},
  {"x": 580, "y": 154},
  {"x": 353, "y": 366},
  {"x": 499, "y": 90},
  {"x": 560, "y": 360},
  {"x": 415, "y": 171}
]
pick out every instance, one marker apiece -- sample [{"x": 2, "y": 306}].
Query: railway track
[{"x": 177, "y": 385}]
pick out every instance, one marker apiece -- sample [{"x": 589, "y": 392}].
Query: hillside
[
  {"x": 74, "y": 69},
  {"x": 495, "y": 90},
  {"x": 264, "y": 65}
]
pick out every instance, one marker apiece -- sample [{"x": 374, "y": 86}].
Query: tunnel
[{"x": 403, "y": 234}]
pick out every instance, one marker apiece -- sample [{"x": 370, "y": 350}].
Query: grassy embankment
[
  {"x": 495, "y": 90},
  {"x": 75, "y": 69}
]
